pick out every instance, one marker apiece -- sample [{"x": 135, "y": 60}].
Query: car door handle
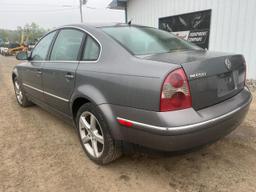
[{"x": 69, "y": 76}]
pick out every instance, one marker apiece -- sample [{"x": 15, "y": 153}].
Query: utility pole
[{"x": 81, "y": 3}]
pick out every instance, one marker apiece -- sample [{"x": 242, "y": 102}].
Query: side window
[
  {"x": 67, "y": 45},
  {"x": 91, "y": 50},
  {"x": 40, "y": 52}
]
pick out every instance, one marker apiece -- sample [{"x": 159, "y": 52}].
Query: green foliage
[
  {"x": 30, "y": 32},
  {"x": 4, "y": 34}
]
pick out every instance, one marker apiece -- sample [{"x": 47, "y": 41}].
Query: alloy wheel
[
  {"x": 91, "y": 134},
  {"x": 18, "y": 91}
]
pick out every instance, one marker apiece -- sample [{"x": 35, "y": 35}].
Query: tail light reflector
[
  {"x": 125, "y": 122},
  {"x": 175, "y": 94}
]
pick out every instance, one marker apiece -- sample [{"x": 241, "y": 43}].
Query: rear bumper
[{"x": 179, "y": 130}]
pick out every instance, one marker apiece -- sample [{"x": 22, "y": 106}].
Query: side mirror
[{"x": 23, "y": 55}]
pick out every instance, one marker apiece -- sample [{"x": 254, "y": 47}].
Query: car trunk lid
[{"x": 213, "y": 77}]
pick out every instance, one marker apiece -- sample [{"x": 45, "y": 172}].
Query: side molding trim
[{"x": 41, "y": 91}]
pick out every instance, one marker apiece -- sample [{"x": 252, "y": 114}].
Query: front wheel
[
  {"x": 20, "y": 96},
  {"x": 95, "y": 137}
]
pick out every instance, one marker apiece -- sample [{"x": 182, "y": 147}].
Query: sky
[{"x": 54, "y": 13}]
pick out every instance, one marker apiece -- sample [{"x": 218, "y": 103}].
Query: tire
[
  {"x": 21, "y": 98},
  {"x": 94, "y": 135}
]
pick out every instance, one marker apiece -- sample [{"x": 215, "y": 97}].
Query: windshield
[{"x": 146, "y": 40}]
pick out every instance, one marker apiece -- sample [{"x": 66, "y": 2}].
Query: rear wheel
[
  {"x": 95, "y": 137},
  {"x": 20, "y": 96}
]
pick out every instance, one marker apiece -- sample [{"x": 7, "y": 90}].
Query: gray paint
[
  {"x": 55, "y": 82},
  {"x": 203, "y": 90},
  {"x": 30, "y": 74},
  {"x": 126, "y": 86}
]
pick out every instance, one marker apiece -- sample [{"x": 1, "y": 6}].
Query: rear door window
[
  {"x": 91, "y": 50},
  {"x": 67, "y": 45}
]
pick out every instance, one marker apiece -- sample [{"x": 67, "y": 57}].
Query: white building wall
[{"x": 233, "y": 22}]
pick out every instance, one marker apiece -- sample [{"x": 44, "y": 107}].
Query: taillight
[
  {"x": 245, "y": 72},
  {"x": 175, "y": 93}
]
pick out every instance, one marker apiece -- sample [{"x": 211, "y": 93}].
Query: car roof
[{"x": 100, "y": 25}]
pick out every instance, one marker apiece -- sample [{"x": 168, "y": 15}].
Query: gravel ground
[
  {"x": 39, "y": 152},
  {"x": 252, "y": 84}
]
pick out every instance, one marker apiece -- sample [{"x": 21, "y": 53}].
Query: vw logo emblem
[{"x": 228, "y": 63}]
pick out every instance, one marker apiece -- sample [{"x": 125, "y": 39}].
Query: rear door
[
  {"x": 59, "y": 72},
  {"x": 32, "y": 71}
]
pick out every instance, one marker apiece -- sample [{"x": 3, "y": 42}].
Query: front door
[
  {"x": 32, "y": 72},
  {"x": 59, "y": 72}
]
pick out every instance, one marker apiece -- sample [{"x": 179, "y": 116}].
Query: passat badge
[
  {"x": 198, "y": 75},
  {"x": 228, "y": 63}
]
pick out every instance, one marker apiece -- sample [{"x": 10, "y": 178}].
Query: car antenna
[{"x": 129, "y": 22}]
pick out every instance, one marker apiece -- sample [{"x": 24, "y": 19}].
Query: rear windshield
[{"x": 147, "y": 40}]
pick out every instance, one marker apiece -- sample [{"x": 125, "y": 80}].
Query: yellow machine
[{"x": 15, "y": 50}]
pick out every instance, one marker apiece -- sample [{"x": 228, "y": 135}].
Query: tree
[
  {"x": 4, "y": 35},
  {"x": 28, "y": 33},
  {"x": 32, "y": 32}
]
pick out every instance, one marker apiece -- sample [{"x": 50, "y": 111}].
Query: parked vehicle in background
[
  {"x": 15, "y": 50},
  {"x": 135, "y": 84},
  {"x": 31, "y": 46},
  {"x": 3, "y": 48},
  {"x": 12, "y": 48}
]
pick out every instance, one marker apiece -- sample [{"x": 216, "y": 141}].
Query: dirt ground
[{"x": 39, "y": 152}]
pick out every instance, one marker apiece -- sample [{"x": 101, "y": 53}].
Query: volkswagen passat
[{"x": 133, "y": 83}]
